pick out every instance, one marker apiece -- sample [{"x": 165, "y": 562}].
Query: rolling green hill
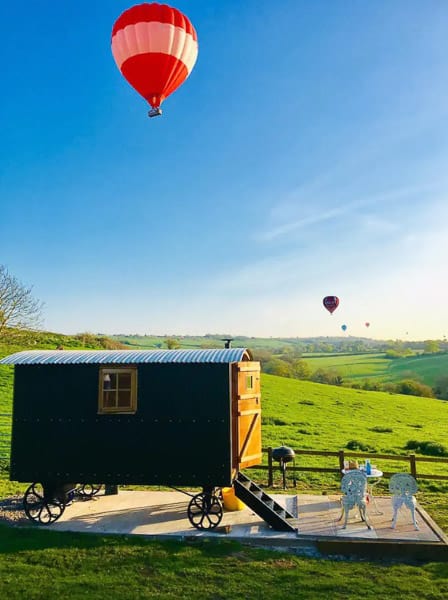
[
  {"x": 310, "y": 415},
  {"x": 376, "y": 367},
  {"x": 301, "y": 414},
  {"x": 355, "y": 366},
  {"x": 314, "y": 416}
]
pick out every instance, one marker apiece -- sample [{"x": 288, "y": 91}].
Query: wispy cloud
[{"x": 351, "y": 207}]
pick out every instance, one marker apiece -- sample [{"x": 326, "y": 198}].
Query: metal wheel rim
[
  {"x": 205, "y": 511},
  {"x": 39, "y": 509},
  {"x": 89, "y": 489}
]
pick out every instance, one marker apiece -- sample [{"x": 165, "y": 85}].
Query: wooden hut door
[{"x": 246, "y": 415}]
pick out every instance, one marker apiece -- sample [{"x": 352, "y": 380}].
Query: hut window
[
  {"x": 117, "y": 391},
  {"x": 249, "y": 382}
]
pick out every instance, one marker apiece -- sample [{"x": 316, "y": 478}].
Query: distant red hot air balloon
[
  {"x": 331, "y": 303},
  {"x": 367, "y": 324},
  {"x": 155, "y": 48}
]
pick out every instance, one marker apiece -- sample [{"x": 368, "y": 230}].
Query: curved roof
[{"x": 97, "y": 357}]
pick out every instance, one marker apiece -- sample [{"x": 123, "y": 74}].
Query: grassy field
[
  {"x": 376, "y": 367},
  {"x": 354, "y": 367},
  {"x": 312, "y": 416},
  {"x": 45, "y": 564},
  {"x": 193, "y": 342}
]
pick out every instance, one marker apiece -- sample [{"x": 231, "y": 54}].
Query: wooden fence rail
[{"x": 343, "y": 455}]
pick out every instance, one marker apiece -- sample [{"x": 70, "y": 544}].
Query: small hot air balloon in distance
[
  {"x": 155, "y": 48},
  {"x": 331, "y": 303},
  {"x": 344, "y": 327},
  {"x": 367, "y": 324}
]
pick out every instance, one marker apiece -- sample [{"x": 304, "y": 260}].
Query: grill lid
[{"x": 283, "y": 454}]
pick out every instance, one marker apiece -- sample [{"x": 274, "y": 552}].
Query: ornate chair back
[
  {"x": 354, "y": 486},
  {"x": 403, "y": 487}
]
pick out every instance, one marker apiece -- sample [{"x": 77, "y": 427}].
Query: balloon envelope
[
  {"x": 344, "y": 327},
  {"x": 155, "y": 48},
  {"x": 331, "y": 303},
  {"x": 367, "y": 324}
]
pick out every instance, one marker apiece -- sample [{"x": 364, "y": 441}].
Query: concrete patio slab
[{"x": 163, "y": 514}]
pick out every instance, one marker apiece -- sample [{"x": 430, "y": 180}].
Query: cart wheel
[
  {"x": 205, "y": 511},
  {"x": 87, "y": 490},
  {"x": 39, "y": 509}
]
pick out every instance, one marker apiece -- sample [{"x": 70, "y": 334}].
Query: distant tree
[
  {"x": 172, "y": 344},
  {"x": 277, "y": 366},
  {"x": 328, "y": 376},
  {"x": 18, "y": 308},
  {"x": 262, "y": 355},
  {"x": 431, "y": 347},
  {"x": 301, "y": 369},
  {"x": 413, "y": 388},
  {"x": 370, "y": 385},
  {"x": 441, "y": 387}
]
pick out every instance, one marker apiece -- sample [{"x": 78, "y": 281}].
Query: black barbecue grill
[{"x": 284, "y": 455}]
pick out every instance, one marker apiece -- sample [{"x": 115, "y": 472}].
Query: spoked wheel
[
  {"x": 39, "y": 508},
  {"x": 205, "y": 511},
  {"x": 87, "y": 490}
]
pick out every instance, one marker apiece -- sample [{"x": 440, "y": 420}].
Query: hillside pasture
[
  {"x": 307, "y": 415},
  {"x": 312, "y": 416},
  {"x": 428, "y": 367},
  {"x": 355, "y": 368}
]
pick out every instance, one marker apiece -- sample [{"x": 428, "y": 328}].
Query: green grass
[
  {"x": 332, "y": 415},
  {"x": 376, "y": 367},
  {"x": 352, "y": 366},
  {"x": 312, "y": 416},
  {"x": 48, "y": 564},
  {"x": 427, "y": 367},
  {"x": 38, "y": 563},
  {"x": 215, "y": 341}
]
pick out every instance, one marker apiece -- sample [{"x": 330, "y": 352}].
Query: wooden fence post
[
  {"x": 341, "y": 461},
  {"x": 270, "y": 469},
  {"x": 413, "y": 465}
]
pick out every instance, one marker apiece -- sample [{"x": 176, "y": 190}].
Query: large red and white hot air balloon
[{"x": 155, "y": 47}]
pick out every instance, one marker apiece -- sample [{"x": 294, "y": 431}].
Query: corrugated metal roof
[{"x": 79, "y": 357}]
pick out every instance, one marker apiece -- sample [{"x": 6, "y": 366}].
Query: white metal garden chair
[
  {"x": 403, "y": 487},
  {"x": 354, "y": 487}
]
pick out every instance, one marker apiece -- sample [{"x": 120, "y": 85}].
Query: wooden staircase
[{"x": 263, "y": 505}]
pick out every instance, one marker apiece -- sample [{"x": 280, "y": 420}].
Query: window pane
[
  {"x": 249, "y": 382},
  {"x": 109, "y": 381},
  {"x": 124, "y": 381},
  {"x": 124, "y": 399},
  {"x": 106, "y": 381},
  {"x": 109, "y": 399}
]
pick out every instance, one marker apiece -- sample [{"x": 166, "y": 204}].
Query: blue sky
[{"x": 305, "y": 156}]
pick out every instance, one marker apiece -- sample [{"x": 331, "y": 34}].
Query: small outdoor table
[{"x": 372, "y": 479}]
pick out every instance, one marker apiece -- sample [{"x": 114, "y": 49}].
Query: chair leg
[
  {"x": 346, "y": 518},
  {"x": 394, "y": 518},
  {"x": 363, "y": 513},
  {"x": 412, "y": 509}
]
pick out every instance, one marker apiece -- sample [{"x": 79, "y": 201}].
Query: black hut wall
[{"x": 180, "y": 434}]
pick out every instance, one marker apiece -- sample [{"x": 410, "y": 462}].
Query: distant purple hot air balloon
[{"x": 331, "y": 303}]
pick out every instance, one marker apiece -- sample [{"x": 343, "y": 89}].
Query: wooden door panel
[{"x": 246, "y": 412}]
